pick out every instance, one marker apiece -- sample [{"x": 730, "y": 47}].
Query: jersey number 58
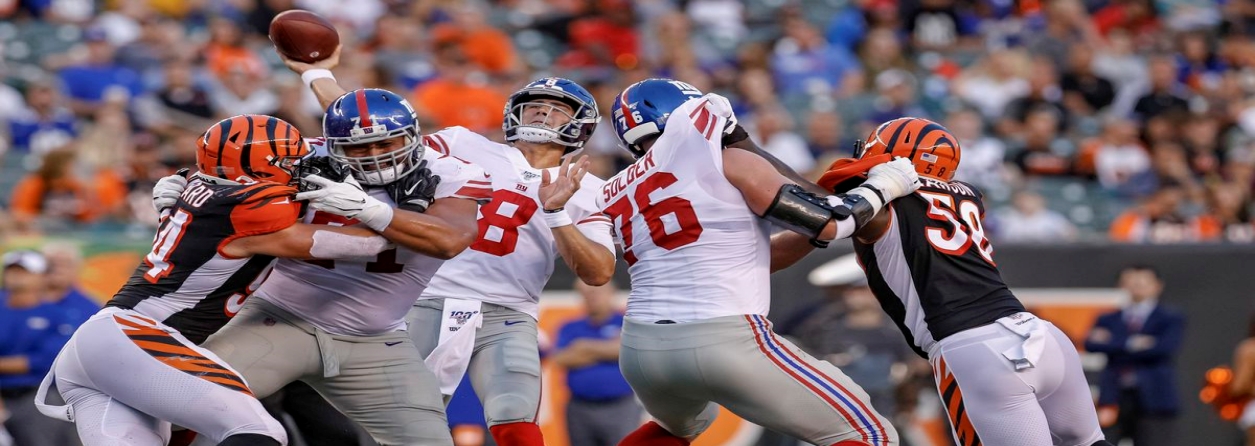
[{"x": 962, "y": 228}]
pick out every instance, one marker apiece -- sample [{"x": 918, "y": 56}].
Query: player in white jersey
[
  {"x": 340, "y": 326},
  {"x": 135, "y": 367},
  {"x": 542, "y": 208},
  {"x": 479, "y": 312},
  {"x": 695, "y": 221}
]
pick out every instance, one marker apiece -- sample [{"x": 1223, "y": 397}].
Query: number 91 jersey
[
  {"x": 694, "y": 249},
  {"x": 933, "y": 270}
]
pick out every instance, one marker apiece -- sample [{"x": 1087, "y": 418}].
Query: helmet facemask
[
  {"x": 547, "y": 130},
  {"x": 384, "y": 168},
  {"x": 581, "y": 119}
]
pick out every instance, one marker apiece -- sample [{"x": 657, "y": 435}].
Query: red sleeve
[{"x": 265, "y": 208}]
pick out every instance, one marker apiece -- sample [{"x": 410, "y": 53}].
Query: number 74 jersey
[
  {"x": 933, "y": 269},
  {"x": 694, "y": 249}
]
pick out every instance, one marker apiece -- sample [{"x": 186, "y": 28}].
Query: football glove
[
  {"x": 167, "y": 190},
  {"x": 416, "y": 191}
]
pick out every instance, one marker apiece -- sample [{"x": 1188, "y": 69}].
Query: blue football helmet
[
  {"x": 573, "y": 134},
  {"x": 642, "y": 109},
  {"x": 369, "y": 115}
]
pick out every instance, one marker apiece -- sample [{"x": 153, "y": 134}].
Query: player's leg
[
  {"x": 423, "y": 325},
  {"x": 384, "y": 386},
  {"x": 318, "y": 421},
  {"x": 505, "y": 371},
  {"x": 767, "y": 380},
  {"x": 666, "y": 378},
  {"x": 1069, "y": 408},
  {"x": 267, "y": 346},
  {"x": 153, "y": 370},
  {"x": 985, "y": 397}
]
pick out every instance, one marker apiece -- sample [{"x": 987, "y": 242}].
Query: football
[{"x": 303, "y": 36}]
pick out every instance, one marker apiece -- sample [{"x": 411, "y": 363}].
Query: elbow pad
[{"x": 805, "y": 213}]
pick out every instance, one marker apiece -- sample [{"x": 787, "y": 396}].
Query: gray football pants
[
  {"x": 505, "y": 366},
  {"x": 378, "y": 381},
  {"x": 681, "y": 371}
]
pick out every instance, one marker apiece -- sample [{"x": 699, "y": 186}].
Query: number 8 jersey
[
  {"x": 695, "y": 250},
  {"x": 932, "y": 270}
]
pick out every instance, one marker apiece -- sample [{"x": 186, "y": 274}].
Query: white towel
[
  {"x": 1033, "y": 330},
  {"x": 461, "y": 319}
]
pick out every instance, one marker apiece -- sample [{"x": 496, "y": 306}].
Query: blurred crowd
[{"x": 1128, "y": 120}]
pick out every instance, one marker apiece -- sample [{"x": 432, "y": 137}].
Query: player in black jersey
[
  {"x": 1005, "y": 376},
  {"x": 134, "y": 367}
]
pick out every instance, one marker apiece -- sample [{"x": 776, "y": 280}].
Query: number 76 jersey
[
  {"x": 933, "y": 269},
  {"x": 694, "y": 249}
]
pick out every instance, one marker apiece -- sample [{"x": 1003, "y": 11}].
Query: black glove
[
  {"x": 415, "y": 191},
  {"x": 323, "y": 166},
  {"x": 735, "y": 135}
]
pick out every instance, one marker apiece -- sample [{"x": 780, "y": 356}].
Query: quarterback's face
[{"x": 550, "y": 113}]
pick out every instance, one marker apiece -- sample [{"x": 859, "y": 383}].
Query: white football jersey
[
  {"x": 368, "y": 296},
  {"x": 514, "y": 253},
  {"x": 695, "y": 249}
]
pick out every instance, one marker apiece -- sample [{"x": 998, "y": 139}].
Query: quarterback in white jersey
[
  {"x": 339, "y": 326},
  {"x": 479, "y": 314},
  {"x": 695, "y": 222}
]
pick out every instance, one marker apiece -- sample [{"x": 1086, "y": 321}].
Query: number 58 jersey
[
  {"x": 933, "y": 269},
  {"x": 694, "y": 248}
]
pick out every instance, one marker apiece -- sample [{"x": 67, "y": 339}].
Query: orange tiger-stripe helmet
[
  {"x": 251, "y": 148},
  {"x": 933, "y": 149}
]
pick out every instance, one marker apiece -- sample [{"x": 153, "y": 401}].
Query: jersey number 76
[{"x": 622, "y": 210}]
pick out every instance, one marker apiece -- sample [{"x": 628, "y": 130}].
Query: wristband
[
  {"x": 558, "y": 218},
  {"x": 317, "y": 73}
]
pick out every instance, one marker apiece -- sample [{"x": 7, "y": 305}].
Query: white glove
[
  {"x": 722, "y": 107},
  {"x": 167, "y": 190},
  {"x": 348, "y": 200},
  {"x": 893, "y": 179}
]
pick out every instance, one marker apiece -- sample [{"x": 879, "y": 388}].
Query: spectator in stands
[
  {"x": 98, "y": 76},
  {"x": 983, "y": 156},
  {"x": 803, "y": 63},
  {"x": 773, "y": 130},
  {"x": 227, "y": 52},
  {"x": 1199, "y": 68},
  {"x": 606, "y": 38},
  {"x": 1030, "y": 221},
  {"x": 1043, "y": 152},
  {"x": 179, "y": 105},
  {"x": 45, "y": 123},
  {"x": 825, "y": 135},
  {"x": 1228, "y": 218},
  {"x": 243, "y": 90},
  {"x": 993, "y": 82},
  {"x": 55, "y": 195},
  {"x": 896, "y": 97},
  {"x": 1084, "y": 92},
  {"x": 1066, "y": 24},
  {"x": 1156, "y": 219},
  {"x": 603, "y": 408},
  {"x": 460, "y": 95},
  {"x": 1165, "y": 92},
  {"x": 1200, "y": 134},
  {"x": 1043, "y": 92},
  {"x": 939, "y": 25},
  {"x": 31, "y": 336},
  {"x": 1118, "y": 158},
  {"x": 398, "y": 44},
  {"x": 1137, "y": 388},
  {"x": 485, "y": 46},
  {"x": 882, "y": 50},
  {"x": 65, "y": 263}
]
